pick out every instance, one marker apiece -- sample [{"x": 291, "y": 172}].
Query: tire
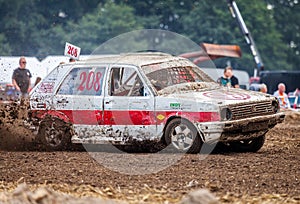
[
  {"x": 250, "y": 145},
  {"x": 182, "y": 136},
  {"x": 54, "y": 134}
]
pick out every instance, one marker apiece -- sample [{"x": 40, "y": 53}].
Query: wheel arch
[
  {"x": 56, "y": 114},
  {"x": 62, "y": 130}
]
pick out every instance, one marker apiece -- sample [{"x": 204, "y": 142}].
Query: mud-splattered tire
[
  {"x": 251, "y": 145},
  {"x": 182, "y": 136},
  {"x": 54, "y": 134}
]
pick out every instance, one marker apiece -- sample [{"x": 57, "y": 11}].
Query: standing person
[
  {"x": 282, "y": 96},
  {"x": 229, "y": 79},
  {"x": 21, "y": 78}
]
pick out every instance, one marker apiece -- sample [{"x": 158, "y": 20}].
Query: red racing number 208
[
  {"x": 72, "y": 51},
  {"x": 90, "y": 80}
]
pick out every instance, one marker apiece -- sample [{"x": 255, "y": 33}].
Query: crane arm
[{"x": 235, "y": 12}]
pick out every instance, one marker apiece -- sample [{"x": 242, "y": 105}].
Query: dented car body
[{"x": 131, "y": 98}]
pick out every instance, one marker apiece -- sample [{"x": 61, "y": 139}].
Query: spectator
[
  {"x": 259, "y": 87},
  {"x": 282, "y": 96},
  {"x": 295, "y": 93},
  {"x": 21, "y": 78},
  {"x": 254, "y": 87},
  {"x": 229, "y": 79},
  {"x": 263, "y": 88}
]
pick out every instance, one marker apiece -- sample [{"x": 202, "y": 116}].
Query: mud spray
[{"x": 13, "y": 134}]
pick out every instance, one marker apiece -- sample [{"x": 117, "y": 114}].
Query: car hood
[{"x": 212, "y": 93}]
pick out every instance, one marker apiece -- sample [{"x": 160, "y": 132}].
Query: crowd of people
[{"x": 229, "y": 80}]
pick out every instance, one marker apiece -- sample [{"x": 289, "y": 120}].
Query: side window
[
  {"x": 83, "y": 81},
  {"x": 124, "y": 81}
]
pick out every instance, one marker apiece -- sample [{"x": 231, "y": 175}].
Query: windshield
[{"x": 163, "y": 78}]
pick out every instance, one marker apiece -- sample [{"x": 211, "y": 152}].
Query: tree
[
  {"x": 287, "y": 15},
  {"x": 160, "y": 14},
  {"x": 19, "y": 23},
  {"x": 106, "y": 21},
  {"x": 40, "y": 28},
  {"x": 213, "y": 23},
  {"x": 4, "y": 48},
  {"x": 35, "y": 27}
]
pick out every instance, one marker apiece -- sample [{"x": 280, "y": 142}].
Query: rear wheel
[
  {"x": 183, "y": 136},
  {"x": 54, "y": 134},
  {"x": 250, "y": 145}
]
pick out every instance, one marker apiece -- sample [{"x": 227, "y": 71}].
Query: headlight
[
  {"x": 226, "y": 114},
  {"x": 275, "y": 106}
]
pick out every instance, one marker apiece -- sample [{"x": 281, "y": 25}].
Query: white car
[{"x": 139, "y": 97}]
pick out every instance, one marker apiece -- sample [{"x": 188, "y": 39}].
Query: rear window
[{"x": 83, "y": 81}]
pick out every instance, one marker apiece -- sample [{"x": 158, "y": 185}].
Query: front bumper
[{"x": 238, "y": 129}]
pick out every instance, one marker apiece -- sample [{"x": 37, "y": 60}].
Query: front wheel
[
  {"x": 250, "y": 145},
  {"x": 183, "y": 136},
  {"x": 54, "y": 133}
]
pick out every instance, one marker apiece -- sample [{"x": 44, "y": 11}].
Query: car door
[
  {"x": 128, "y": 106},
  {"x": 79, "y": 98}
]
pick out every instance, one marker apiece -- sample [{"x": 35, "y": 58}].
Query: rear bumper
[{"x": 238, "y": 129}]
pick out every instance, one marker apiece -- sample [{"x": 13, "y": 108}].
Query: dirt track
[{"x": 272, "y": 174}]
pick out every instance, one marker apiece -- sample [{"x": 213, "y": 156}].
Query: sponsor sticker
[
  {"x": 46, "y": 87},
  {"x": 160, "y": 117},
  {"x": 175, "y": 105}
]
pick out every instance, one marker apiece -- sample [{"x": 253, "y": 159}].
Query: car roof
[{"x": 139, "y": 59}]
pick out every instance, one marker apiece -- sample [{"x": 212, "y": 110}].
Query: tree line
[{"x": 41, "y": 28}]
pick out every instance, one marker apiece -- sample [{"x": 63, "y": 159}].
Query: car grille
[{"x": 241, "y": 111}]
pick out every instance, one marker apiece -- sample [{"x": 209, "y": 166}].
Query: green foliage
[
  {"x": 268, "y": 40},
  {"x": 287, "y": 15},
  {"x": 216, "y": 26},
  {"x": 106, "y": 21},
  {"x": 40, "y": 28},
  {"x": 4, "y": 48}
]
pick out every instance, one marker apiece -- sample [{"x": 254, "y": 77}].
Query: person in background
[
  {"x": 282, "y": 96},
  {"x": 21, "y": 78},
  {"x": 295, "y": 93},
  {"x": 224, "y": 81},
  {"x": 294, "y": 98},
  {"x": 259, "y": 87},
  {"x": 263, "y": 88},
  {"x": 229, "y": 79}
]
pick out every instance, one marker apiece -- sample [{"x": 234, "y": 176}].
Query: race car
[{"x": 136, "y": 98}]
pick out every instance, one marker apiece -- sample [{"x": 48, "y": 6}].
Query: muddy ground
[{"x": 272, "y": 175}]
